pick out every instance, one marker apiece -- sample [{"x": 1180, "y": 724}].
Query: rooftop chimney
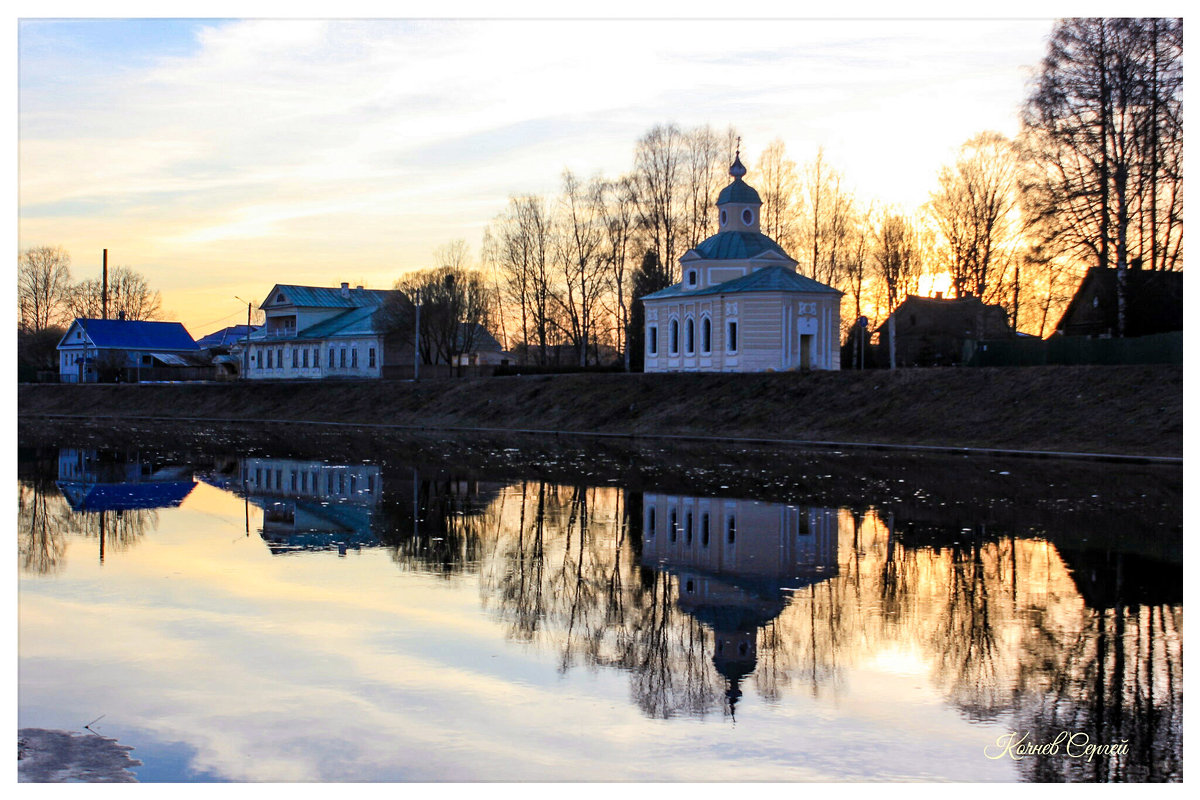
[
  {"x": 939, "y": 295},
  {"x": 345, "y": 289},
  {"x": 358, "y": 287}
]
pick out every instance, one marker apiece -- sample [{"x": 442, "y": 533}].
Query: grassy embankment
[{"x": 1130, "y": 410}]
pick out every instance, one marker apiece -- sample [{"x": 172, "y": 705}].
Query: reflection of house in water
[
  {"x": 313, "y": 505},
  {"x": 101, "y": 480},
  {"x": 736, "y": 563},
  {"x": 114, "y": 493}
]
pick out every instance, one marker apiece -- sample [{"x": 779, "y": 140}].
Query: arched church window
[
  {"x": 691, "y": 277},
  {"x": 691, "y": 336},
  {"x": 748, "y": 216},
  {"x": 674, "y": 337},
  {"x": 724, "y": 217},
  {"x": 706, "y": 335}
]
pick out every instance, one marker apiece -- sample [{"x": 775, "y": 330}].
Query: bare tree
[
  {"x": 1103, "y": 128},
  {"x": 977, "y": 212},
  {"x": 896, "y": 255},
  {"x": 579, "y": 252},
  {"x": 43, "y": 282},
  {"x": 128, "y": 293},
  {"x": 619, "y": 209},
  {"x": 658, "y": 160},
  {"x": 701, "y": 178},
  {"x": 523, "y": 236},
  {"x": 779, "y": 187}
]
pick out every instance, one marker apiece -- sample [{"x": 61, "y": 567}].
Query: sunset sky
[{"x": 219, "y": 157}]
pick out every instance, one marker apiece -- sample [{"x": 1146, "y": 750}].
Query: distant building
[
  {"x": 318, "y": 332},
  {"x": 741, "y": 306},
  {"x": 118, "y": 349},
  {"x": 932, "y": 331},
  {"x": 222, "y": 340},
  {"x": 1153, "y": 304},
  {"x": 480, "y": 347}
]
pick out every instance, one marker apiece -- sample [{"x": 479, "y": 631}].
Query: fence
[{"x": 1161, "y": 348}]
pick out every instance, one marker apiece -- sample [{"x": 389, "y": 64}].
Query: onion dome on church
[{"x": 739, "y": 191}]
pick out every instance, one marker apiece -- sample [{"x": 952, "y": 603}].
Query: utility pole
[
  {"x": 246, "y": 339},
  {"x": 417, "y": 341},
  {"x": 892, "y": 341},
  {"x": 104, "y": 288}
]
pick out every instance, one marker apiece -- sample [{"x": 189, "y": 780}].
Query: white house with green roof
[
  {"x": 741, "y": 306},
  {"x": 319, "y": 332}
]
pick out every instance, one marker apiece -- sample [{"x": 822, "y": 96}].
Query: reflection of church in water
[{"x": 736, "y": 564}]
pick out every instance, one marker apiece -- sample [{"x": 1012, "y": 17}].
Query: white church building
[{"x": 741, "y": 306}]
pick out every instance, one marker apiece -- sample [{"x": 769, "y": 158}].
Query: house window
[
  {"x": 342, "y": 358},
  {"x": 270, "y": 360},
  {"x": 371, "y": 357},
  {"x": 691, "y": 336},
  {"x": 306, "y": 359},
  {"x": 295, "y": 358},
  {"x": 354, "y": 358},
  {"x": 674, "y": 337},
  {"x": 706, "y": 335},
  {"x": 691, "y": 277},
  {"x": 802, "y": 528},
  {"x": 688, "y": 530},
  {"x": 316, "y": 356},
  {"x": 731, "y": 336},
  {"x": 652, "y": 340},
  {"x": 704, "y": 530},
  {"x": 279, "y": 358},
  {"x": 673, "y": 531},
  {"x": 650, "y": 522},
  {"x": 330, "y": 364},
  {"x": 731, "y": 531}
]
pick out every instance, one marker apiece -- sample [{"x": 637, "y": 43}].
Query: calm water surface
[{"x": 243, "y": 616}]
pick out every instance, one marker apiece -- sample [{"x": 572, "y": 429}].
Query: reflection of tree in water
[
  {"x": 435, "y": 527},
  {"x": 563, "y": 576},
  {"x": 1007, "y": 630},
  {"x": 1115, "y": 678},
  {"x": 44, "y": 520},
  {"x": 41, "y": 511}
]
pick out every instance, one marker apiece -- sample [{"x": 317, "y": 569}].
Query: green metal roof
[
  {"x": 355, "y": 321},
  {"x": 324, "y": 297},
  {"x": 738, "y": 192},
  {"x": 767, "y": 279},
  {"x": 731, "y": 245}
]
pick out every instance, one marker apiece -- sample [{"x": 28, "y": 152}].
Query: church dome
[{"x": 739, "y": 191}]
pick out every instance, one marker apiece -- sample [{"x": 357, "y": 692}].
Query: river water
[{"x": 322, "y": 607}]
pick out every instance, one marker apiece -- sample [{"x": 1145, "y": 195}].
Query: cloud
[{"x": 229, "y": 136}]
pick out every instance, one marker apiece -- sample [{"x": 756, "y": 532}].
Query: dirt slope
[{"x": 1128, "y": 409}]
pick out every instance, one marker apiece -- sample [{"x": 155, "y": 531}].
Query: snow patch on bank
[{"x": 46, "y": 756}]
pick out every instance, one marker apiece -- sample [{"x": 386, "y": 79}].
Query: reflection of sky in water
[{"x": 319, "y": 666}]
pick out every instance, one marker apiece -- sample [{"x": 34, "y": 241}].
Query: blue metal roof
[
  {"x": 738, "y": 245},
  {"x": 324, "y": 297},
  {"x": 738, "y": 192},
  {"x": 129, "y": 335},
  {"x": 125, "y": 496},
  {"x": 767, "y": 279},
  {"x": 230, "y": 335}
]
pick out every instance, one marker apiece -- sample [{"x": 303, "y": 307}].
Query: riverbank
[{"x": 1130, "y": 410}]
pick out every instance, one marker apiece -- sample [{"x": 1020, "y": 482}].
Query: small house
[
  {"x": 935, "y": 331},
  {"x": 1153, "y": 304},
  {"x": 113, "y": 350},
  {"x": 315, "y": 332}
]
